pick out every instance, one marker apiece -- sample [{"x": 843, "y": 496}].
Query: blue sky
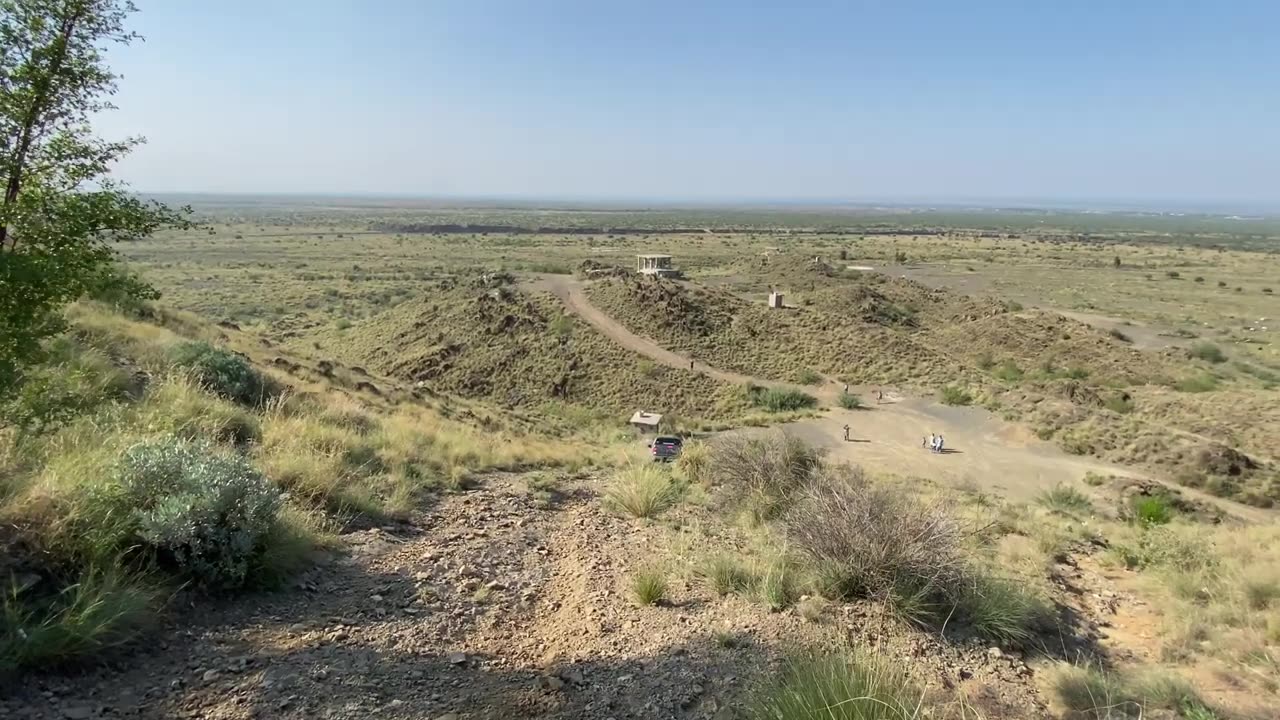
[{"x": 1127, "y": 100}]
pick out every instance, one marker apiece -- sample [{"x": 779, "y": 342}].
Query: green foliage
[
  {"x": 648, "y": 586},
  {"x": 1002, "y": 610},
  {"x": 561, "y": 326},
  {"x": 809, "y": 377},
  {"x": 1153, "y": 509},
  {"x": 223, "y": 372},
  {"x": 725, "y": 575},
  {"x": 1067, "y": 500},
  {"x": 1207, "y": 352},
  {"x": 775, "y": 586},
  {"x": 838, "y": 687},
  {"x": 1165, "y": 546},
  {"x": 118, "y": 287},
  {"x": 1089, "y": 693},
  {"x": 1121, "y": 403},
  {"x": 72, "y": 380},
  {"x": 204, "y": 513},
  {"x": 1008, "y": 371},
  {"x": 849, "y": 401},
  {"x": 1197, "y": 384},
  {"x": 60, "y": 209},
  {"x": 101, "y": 610},
  {"x": 956, "y": 395},
  {"x": 776, "y": 399}
]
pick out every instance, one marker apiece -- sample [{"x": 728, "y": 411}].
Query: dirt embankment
[
  {"x": 495, "y": 342},
  {"x": 487, "y": 606}
]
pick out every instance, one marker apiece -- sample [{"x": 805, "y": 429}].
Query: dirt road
[{"x": 983, "y": 451}]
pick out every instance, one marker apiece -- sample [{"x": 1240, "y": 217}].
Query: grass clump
[
  {"x": 1087, "y": 693},
  {"x": 1119, "y": 403},
  {"x": 1197, "y": 384},
  {"x": 1066, "y": 500},
  {"x": 776, "y": 399},
  {"x": 725, "y": 575},
  {"x": 102, "y": 610},
  {"x": 648, "y": 586},
  {"x": 809, "y": 377},
  {"x": 641, "y": 490},
  {"x": 694, "y": 461},
  {"x": 849, "y": 401},
  {"x": 850, "y": 686},
  {"x": 776, "y": 584},
  {"x": 223, "y": 372},
  {"x": 1007, "y": 371},
  {"x": 544, "y": 490},
  {"x": 956, "y": 395},
  {"x": 762, "y": 473},
  {"x": 1208, "y": 352},
  {"x": 1001, "y": 610}
]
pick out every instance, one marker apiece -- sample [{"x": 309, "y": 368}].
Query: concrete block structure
[
  {"x": 775, "y": 300},
  {"x": 653, "y": 264}
]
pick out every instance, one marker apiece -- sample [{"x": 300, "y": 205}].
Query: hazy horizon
[{"x": 1145, "y": 106}]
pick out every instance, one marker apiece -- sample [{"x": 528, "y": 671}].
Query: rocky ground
[{"x": 496, "y": 604}]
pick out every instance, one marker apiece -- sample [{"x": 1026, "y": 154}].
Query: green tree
[{"x": 61, "y": 210}]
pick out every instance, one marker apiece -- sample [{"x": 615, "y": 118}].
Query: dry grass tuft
[{"x": 642, "y": 490}]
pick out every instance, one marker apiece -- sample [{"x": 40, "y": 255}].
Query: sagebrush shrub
[
  {"x": 868, "y": 541},
  {"x": 223, "y": 372},
  {"x": 204, "y": 512},
  {"x": 762, "y": 472}
]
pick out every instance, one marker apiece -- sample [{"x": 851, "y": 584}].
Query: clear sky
[{"x": 1124, "y": 100}]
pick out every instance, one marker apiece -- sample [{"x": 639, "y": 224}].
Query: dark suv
[{"x": 665, "y": 448}]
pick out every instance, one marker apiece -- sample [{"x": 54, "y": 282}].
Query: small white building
[
  {"x": 646, "y": 421},
  {"x": 655, "y": 264},
  {"x": 775, "y": 299}
]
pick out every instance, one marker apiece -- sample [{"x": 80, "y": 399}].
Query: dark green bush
[
  {"x": 776, "y": 399},
  {"x": 223, "y": 372},
  {"x": 849, "y": 401},
  {"x": 1207, "y": 352},
  {"x": 956, "y": 395}
]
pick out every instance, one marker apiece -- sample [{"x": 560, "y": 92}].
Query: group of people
[{"x": 933, "y": 442}]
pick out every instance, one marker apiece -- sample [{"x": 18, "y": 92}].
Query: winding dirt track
[{"x": 983, "y": 451}]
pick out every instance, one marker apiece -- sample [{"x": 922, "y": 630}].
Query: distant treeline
[{"x": 474, "y": 229}]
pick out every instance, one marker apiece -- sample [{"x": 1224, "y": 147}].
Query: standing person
[
  {"x": 846, "y": 388},
  {"x": 846, "y": 433},
  {"x": 924, "y": 441},
  {"x": 933, "y": 442},
  {"x": 879, "y": 396},
  {"x": 690, "y": 364},
  {"x": 940, "y": 443}
]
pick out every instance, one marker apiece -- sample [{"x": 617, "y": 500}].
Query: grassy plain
[{"x": 417, "y": 361}]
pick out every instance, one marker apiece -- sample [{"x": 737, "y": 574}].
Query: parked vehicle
[{"x": 665, "y": 448}]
